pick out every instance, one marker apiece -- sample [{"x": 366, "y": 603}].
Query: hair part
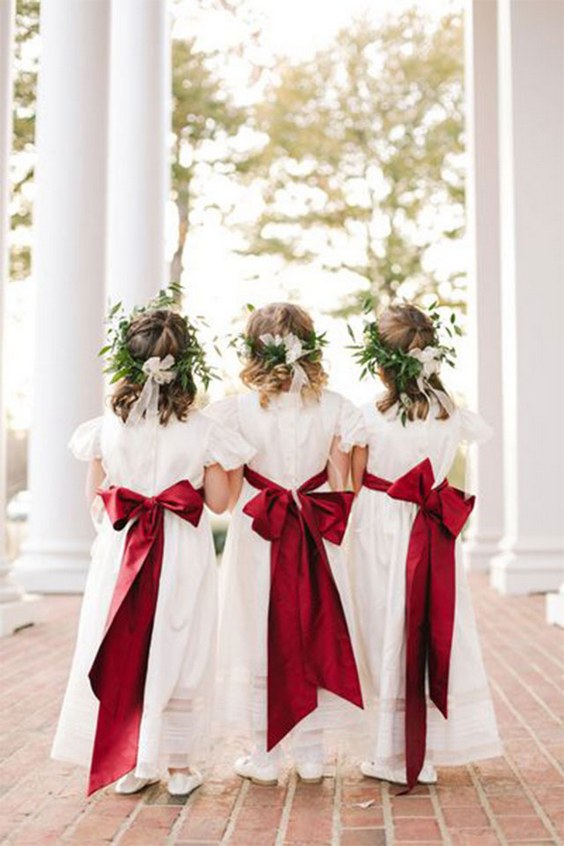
[
  {"x": 156, "y": 333},
  {"x": 280, "y": 319},
  {"x": 406, "y": 327}
]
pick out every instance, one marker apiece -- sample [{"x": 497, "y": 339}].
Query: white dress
[
  {"x": 292, "y": 439},
  {"x": 379, "y": 533},
  {"x": 180, "y": 674}
]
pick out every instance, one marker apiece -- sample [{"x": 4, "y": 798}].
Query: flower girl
[
  {"x": 139, "y": 693},
  {"x": 287, "y": 667},
  {"x": 415, "y": 616}
]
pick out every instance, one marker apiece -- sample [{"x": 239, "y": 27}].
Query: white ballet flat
[
  {"x": 263, "y": 774},
  {"x": 181, "y": 784},
  {"x": 310, "y": 772},
  {"x": 130, "y": 783},
  {"x": 428, "y": 774}
]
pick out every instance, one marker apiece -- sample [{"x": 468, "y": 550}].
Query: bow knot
[
  {"x": 117, "y": 675},
  {"x": 308, "y": 639},
  {"x": 430, "y": 595}
]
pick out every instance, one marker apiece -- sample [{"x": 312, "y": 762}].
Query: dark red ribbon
[
  {"x": 308, "y": 639},
  {"x": 430, "y": 596},
  {"x": 118, "y": 673}
]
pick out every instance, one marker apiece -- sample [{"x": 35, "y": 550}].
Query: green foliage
[
  {"x": 277, "y": 350},
  {"x": 119, "y": 361},
  {"x": 365, "y": 155},
  {"x": 25, "y": 84},
  {"x": 374, "y": 354},
  {"x": 204, "y": 121}
]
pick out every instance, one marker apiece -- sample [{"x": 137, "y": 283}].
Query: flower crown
[
  {"x": 274, "y": 350},
  {"x": 121, "y": 364},
  {"x": 417, "y": 365}
]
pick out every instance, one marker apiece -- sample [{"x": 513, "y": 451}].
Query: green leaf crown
[
  {"x": 373, "y": 354},
  {"x": 191, "y": 363}
]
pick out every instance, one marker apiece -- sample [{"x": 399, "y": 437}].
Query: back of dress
[
  {"x": 292, "y": 437},
  {"x": 148, "y": 458},
  {"x": 395, "y": 448}
]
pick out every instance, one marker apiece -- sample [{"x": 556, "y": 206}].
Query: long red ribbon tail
[
  {"x": 120, "y": 667},
  {"x": 417, "y": 574}
]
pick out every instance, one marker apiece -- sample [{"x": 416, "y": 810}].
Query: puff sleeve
[
  {"x": 86, "y": 440},
  {"x": 226, "y": 446},
  {"x": 350, "y": 426},
  {"x": 473, "y": 428}
]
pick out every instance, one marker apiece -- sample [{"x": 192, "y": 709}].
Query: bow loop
[
  {"x": 415, "y": 485},
  {"x": 269, "y": 509},
  {"x": 331, "y": 510}
]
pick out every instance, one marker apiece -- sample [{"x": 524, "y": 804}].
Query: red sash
[
  {"x": 118, "y": 673},
  {"x": 308, "y": 639},
  {"x": 429, "y": 595}
]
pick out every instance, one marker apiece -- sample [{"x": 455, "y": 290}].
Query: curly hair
[
  {"x": 404, "y": 326},
  {"x": 156, "y": 333},
  {"x": 280, "y": 319}
]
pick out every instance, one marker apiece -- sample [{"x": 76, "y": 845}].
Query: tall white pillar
[
  {"x": 531, "y": 66},
  {"x": 69, "y": 268},
  {"x": 484, "y": 275},
  {"x": 16, "y": 608},
  {"x": 139, "y": 135}
]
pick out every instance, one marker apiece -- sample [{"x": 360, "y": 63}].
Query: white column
[
  {"x": 139, "y": 127},
  {"x": 69, "y": 268},
  {"x": 484, "y": 283},
  {"x": 531, "y": 45},
  {"x": 16, "y": 608}
]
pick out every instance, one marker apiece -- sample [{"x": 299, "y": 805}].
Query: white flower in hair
[
  {"x": 293, "y": 347},
  {"x": 160, "y": 370},
  {"x": 430, "y": 358}
]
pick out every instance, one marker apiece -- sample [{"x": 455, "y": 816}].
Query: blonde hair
[
  {"x": 280, "y": 319},
  {"x": 156, "y": 333},
  {"x": 405, "y": 327}
]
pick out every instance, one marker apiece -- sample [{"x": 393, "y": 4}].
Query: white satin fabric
[
  {"x": 377, "y": 545},
  {"x": 180, "y": 676}
]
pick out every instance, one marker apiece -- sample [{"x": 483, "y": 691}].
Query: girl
[
  {"x": 286, "y": 662},
  {"x": 139, "y": 694},
  {"x": 408, "y": 583}
]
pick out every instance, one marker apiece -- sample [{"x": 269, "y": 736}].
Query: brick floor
[{"x": 515, "y": 800}]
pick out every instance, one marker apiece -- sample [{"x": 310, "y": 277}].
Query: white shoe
[
  {"x": 130, "y": 783},
  {"x": 264, "y": 774},
  {"x": 310, "y": 772},
  {"x": 181, "y": 784},
  {"x": 428, "y": 774}
]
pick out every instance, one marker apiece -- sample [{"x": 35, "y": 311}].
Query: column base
[
  {"x": 24, "y": 611},
  {"x": 555, "y": 608},
  {"x": 53, "y": 568},
  {"x": 478, "y": 553},
  {"x": 523, "y": 571}
]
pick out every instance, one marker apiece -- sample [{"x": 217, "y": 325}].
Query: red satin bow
[
  {"x": 118, "y": 673},
  {"x": 308, "y": 639},
  {"x": 430, "y": 596}
]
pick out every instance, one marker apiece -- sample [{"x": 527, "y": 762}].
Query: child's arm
[
  {"x": 94, "y": 478},
  {"x": 235, "y": 485},
  {"x": 216, "y": 488},
  {"x": 338, "y": 466},
  {"x": 358, "y": 466}
]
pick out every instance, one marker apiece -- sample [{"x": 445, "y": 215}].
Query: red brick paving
[{"x": 517, "y": 800}]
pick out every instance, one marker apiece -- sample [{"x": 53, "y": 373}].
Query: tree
[
  {"x": 205, "y": 123},
  {"x": 363, "y": 168},
  {"x": 25, "y": 83}
]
